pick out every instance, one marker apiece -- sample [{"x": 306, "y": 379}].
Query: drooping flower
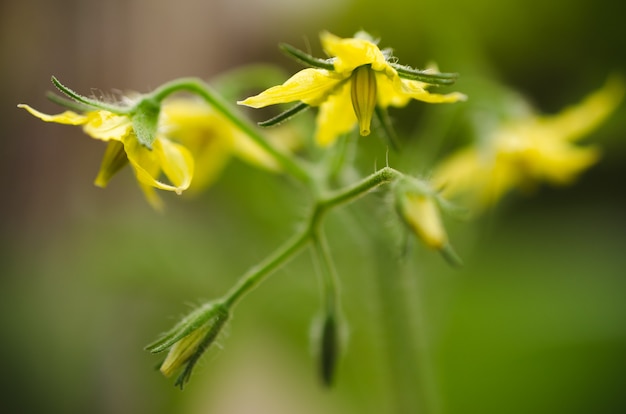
[
  {"x": 528, "y": 149},
  {"x": 358, "y": 80},
  {"x": 164, "y": 158}
]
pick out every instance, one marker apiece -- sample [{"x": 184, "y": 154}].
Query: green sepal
[
  {"x": 89, "y": 102},
  {"x": 145, "y": 120},
  {"x": 218, "y": 323},
  {"x": 426, "y": 76},
  {"x": 188, "y": 324},
  {"x": 67, "y": 103},
  {"x": 451, "y": 256},
  {"x": 284, "y": 116},
  {"x": 305, "y": 58}
]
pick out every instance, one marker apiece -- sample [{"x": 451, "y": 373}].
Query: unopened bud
[
  {"x": 421, "y": 213},
  {"x": 188, "y": 340}
]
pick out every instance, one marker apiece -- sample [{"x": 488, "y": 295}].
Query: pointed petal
[
  {"x": 67, "y": 117},
  {"x": 577, "y": 121},
  {"x": 350, "y": 53},
  {"x": 335, "y": 117},
  {"x": 310, "y": 86},
  {"x": 416, "y": 90},
  {"x": 561, "y": 162}
]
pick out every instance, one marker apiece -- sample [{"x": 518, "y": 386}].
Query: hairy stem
[
  {"x": 289, "y": 163},
  {"x": 258, "y": 273}
]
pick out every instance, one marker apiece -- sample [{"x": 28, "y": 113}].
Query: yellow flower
[
  {"x": 166, "y": 158},
  {"x": 349, "y": 87},
  {"x": 528, "y": 149},
  {"x": 211, "y": 138}
]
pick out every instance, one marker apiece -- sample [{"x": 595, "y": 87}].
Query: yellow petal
[
  {"x": 253, "y": 153},
  {"x": 575, "y": 122},
  {"x": 105, "y": 125},
  {"x": 483, "y": 178},
  {"x": 177, "y": 163},
  {"x": 335, "y": 117},
  {"x": 351, "y": 53},
  {"x": 173, "y": 160},
  {"x": 560, "y": 163},
  {"x": 67, "y": 117},
  {"x": 416, "y": 90},
  {"x": 310, "y": 86},
  {"x": 208, "y": 136},
  {"x": 390, "y": 91}
]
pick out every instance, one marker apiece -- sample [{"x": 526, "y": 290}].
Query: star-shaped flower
[{"x": 352, "y": 86}]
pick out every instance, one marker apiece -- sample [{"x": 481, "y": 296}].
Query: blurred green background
[{"x": 534, "y": 322}]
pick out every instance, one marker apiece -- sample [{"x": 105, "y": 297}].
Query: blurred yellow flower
[
  {"x": 211, "y": 138},
  {"x": 421, "y": 213},
  {"x": 528, "y": 149},
  {"x": 166, "y": 158},
  {"x": 359, "y": 79}
]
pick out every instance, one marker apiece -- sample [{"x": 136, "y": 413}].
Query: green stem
[
  {"x": 258, "y": 273},
  {"x": 255, "y": 275},
  {"x": 359, "y": 189},
  {"x": 328, "y": 272},
  {"x": 197, "y": 86}
]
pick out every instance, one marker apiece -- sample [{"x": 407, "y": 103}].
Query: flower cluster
[
  {"x": 358, "y": 79},
  {"x": 178, "y": 143}
]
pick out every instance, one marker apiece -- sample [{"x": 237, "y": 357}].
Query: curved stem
[
  {"x": 255, "y": 275},
  {"x": 200, "y": 88},
  {"x": 328, "y": 272}
]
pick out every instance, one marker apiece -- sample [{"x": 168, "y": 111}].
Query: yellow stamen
[{"x": 364, "y": 96}]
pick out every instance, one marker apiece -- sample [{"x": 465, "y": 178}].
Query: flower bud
[
  {"x": 329, "y": 349},
  {"x": 188, "y": 340},
  {"x": 422, "y": 215}
]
